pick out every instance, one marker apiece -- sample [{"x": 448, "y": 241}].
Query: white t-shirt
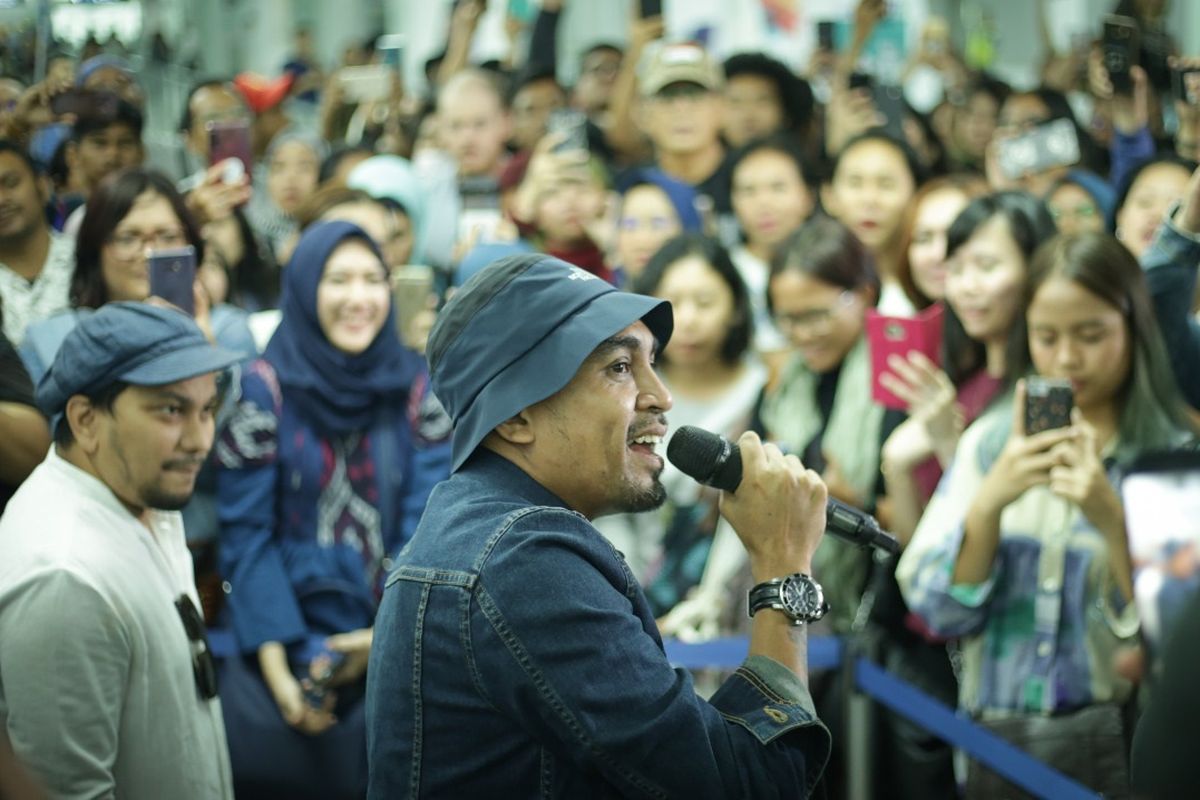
[
  {"x": 27, "y": 302},
  {"x": 97, "y": 692}
]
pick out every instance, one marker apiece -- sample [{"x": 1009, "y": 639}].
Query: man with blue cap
[
  {"x": 514, "y": 653},
  {"x": 107, "y": 686}
]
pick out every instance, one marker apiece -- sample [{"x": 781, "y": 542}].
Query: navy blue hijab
[{"x": 336, "y": 392}]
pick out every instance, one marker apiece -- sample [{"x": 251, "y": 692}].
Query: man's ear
[
  {"x": 84, "y": 420},
  {"x": 516, "y": 429}
]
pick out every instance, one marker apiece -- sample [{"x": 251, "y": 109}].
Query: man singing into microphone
[{"x": 514, "y": 653}]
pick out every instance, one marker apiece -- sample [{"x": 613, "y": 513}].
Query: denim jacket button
[{"x": 776, "y": 715}]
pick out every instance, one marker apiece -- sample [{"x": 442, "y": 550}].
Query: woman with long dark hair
[
  {"x": 1022, "y": 552},
  {"x": 989, "y": 245}
]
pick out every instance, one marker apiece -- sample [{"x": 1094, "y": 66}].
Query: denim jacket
[
  {"x": 515, "y": 656},
  {"x": 1170, "y": 264}
]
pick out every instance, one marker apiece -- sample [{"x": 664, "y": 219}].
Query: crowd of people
[{"x": 779, "y": 212}]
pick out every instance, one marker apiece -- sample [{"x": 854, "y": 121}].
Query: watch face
[{"x": 799, "y": 597}]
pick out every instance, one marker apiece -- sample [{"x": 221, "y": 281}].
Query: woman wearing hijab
[{"x": 325, "y": 469}]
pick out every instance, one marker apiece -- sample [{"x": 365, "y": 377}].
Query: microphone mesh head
[
  {"x": 707, "y": 457},
  {"x": 695, "y": 451}
]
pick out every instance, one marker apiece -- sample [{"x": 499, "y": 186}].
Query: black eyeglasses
[{"x": 204, "y": 667}]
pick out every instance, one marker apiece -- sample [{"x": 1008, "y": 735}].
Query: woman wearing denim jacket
[
  {"x": 1022, "y": 551},
  {"x": 325, "y": 469}
]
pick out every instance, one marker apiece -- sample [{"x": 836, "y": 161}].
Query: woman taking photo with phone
[
  {"x": 1022, "y": 551},
  {"x": 131, "y": 215}
]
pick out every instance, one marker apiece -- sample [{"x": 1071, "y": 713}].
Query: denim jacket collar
[{"x": 498, "y": 470}]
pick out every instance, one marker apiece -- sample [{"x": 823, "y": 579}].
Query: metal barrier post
[{"x": 859, "y": 712}]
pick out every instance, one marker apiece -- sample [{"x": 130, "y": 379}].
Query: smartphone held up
[
  {"x": 173, "y": 277},
  {"x": 1048, "y": 403}
]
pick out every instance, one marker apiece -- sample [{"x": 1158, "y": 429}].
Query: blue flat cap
[
  {"x": 135, "y": 343},
  {"x": 517, "y": 332}
]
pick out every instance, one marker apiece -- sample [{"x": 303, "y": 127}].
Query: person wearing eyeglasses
[
  {"x": 823, "y": 280},
  {"x": 132, "y": 214},
  {"x": 107, "y": 684}
]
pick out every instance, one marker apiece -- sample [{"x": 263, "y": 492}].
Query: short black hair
[
  {"x": 829, "y": 251},
  {"x": 117, "y": 111},
  {"x": 9, "y": 146},
  {"x": 185, "y": 119},
  {"x": 986, "y": 83},
  {"x": 915, "y": 168},
  {"x": 785, "y": 145},
  {"x": 795, "y": 95},
  {"x": 532, "y": 73},
  {"x": 709, "y": 249},
  {"x": 103, "y": 398},
  {"x": 598, "y": 46}
]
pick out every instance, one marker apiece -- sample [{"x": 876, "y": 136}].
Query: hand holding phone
[
  {"x": 825, "y": 41},
  {"x": 390, "y": 47},
  {"x": 1185, "y": 81},
  {"x": 1119, "y": 51},
  {"x": 1048, "y": 403},
  {"x": 173, "y": 277},
  {"x": 1047, "y": 146},
  {"x": 230, "y": 139},
  {"x": 365, "y": 84},
  {"x": 901, "y": 336},
  {"x": 322, "y": 670},
  {"x": 412, "y": 287},
  {"x": 650, "y": 8},
  {"x": 571, "y": 126}
]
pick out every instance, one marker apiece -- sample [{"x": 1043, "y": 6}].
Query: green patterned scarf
[{"x": 792, "y": 418}]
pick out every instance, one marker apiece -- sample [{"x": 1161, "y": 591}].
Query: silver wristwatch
[{"x": 798, "y": 596}]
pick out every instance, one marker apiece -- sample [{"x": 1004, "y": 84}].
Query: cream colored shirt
[{"x": 97, "y": 692}]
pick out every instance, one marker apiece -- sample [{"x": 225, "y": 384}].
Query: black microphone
[{"x": 715, "y": 461}]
